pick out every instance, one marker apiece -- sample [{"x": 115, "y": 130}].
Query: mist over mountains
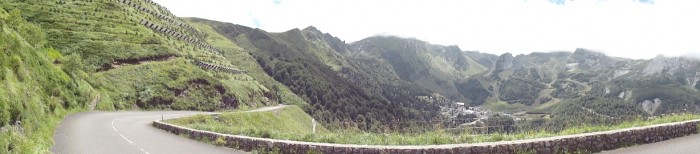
[
  {"x": 70, "y": 56},
  {"x": 530, "y": 80},
  {"x": 539, "y": 81}
]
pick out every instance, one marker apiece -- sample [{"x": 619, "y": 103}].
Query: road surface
[
  {"x": 131, "y": 132},
  {"x": 270, "y": 108},
  {"x": 681, "y": 145},
  {"x": 127, "y": 133}
]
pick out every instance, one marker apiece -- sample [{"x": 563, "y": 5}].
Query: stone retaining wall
[
  {"x": 218, "y": 68},
  {"x": 168, "y": 31},
  {"x": 591, "y": 142},
  {"x": 156, "y": 14}
]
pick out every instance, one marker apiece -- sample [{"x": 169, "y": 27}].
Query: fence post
[{"x": 313, "y": 122}]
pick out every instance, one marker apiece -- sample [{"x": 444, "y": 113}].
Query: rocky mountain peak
[
  {"x": 590, "y": 59},
  {"x": 313, "y": 34},
  {"x": 505, "y": 61},
  {"x": 335, "y": 43},
  {"x": 313, "y": 29},
  {"x": 670, "y": 65},
  {"x": 296, "y": 33},
  {"x": 295, "y": 30},
  {"x": 332, "y": 41}
]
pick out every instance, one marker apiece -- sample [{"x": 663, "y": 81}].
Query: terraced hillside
[
  {"x": 65, "y": 56},
  {"x": 141, "y": 56}
]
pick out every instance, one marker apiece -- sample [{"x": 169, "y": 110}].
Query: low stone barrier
[
  {"x": 193, "y": 41},
  {"x": 158, "y": 15},
  {"x": 589, "y": 142},
  {"x": 218, "y": 68}
]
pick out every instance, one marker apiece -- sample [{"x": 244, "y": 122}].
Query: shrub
[
  {"x": 151, "y": 40},
  {"x": 220, "y": 141}
]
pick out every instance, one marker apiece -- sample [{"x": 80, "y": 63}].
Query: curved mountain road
[
  {"x": 132, "y": 133},
  {"x": 128, "y": 133},
  {"x": 681, "y": 145}
]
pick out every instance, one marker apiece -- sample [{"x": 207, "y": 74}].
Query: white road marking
[
  {"x": 144, "y": 151},
  {"x": 126, "y": 138},
  {"x": 115, "y": 129}
]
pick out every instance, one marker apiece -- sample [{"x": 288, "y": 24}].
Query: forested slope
[{"x": 337, "y": 88}]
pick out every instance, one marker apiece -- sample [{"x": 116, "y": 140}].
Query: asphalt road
[
  {"x": 132, "y": 133},
  {"x": 125, "y": 133},
  {"x": 682, "y": 145}
]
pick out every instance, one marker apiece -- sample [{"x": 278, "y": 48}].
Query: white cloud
[{"x": 624, "y": 28}]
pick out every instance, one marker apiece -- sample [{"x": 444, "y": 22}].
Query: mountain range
[{"x": 136, "y": 55}]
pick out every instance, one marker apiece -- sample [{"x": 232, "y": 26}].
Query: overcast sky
[{"x": 623, "y": 28}]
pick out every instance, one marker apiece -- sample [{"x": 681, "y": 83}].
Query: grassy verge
[
  {"x": 286, "y": 123},
  {"x": 288, "y": 126}
]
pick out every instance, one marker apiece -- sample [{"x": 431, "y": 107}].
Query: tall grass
[
  {"x": 35, "y": 93},
  {"x": 269, "y": 125},
  {"x": 286, "y": 123}
]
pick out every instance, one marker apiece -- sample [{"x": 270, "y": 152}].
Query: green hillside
[
  {"x": 113, "y": 55},
  {"x": 143, "y": 57},
  {"x": 65, "y": 56},
  {"x": 337, "y": 89},
  {"x": 40, "y": 86},
  {"x": 434, "y": 67}
]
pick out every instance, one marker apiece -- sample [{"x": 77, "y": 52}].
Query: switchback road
[{"x": 125, "y": 133}]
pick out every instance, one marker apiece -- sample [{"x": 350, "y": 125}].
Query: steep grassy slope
[
  {"x": 144, "y": 57},
  {"x": 179, "y": 93},
  {"x": 115, "y": 55},
  {"x": 39, "y": 86},
  {"x": 484, "y": 59},
  {"x": 239, "y": 57}
]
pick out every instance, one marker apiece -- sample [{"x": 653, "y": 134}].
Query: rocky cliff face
[
  {"x": 505, "y": 61},
  {"x": 568, "y": 75},
  {"x": 671, "y": 66},
  {"x": 314, "y": 34},
  {"x": 650, "y": 106},
  {"x": 590, "y": 59}
]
